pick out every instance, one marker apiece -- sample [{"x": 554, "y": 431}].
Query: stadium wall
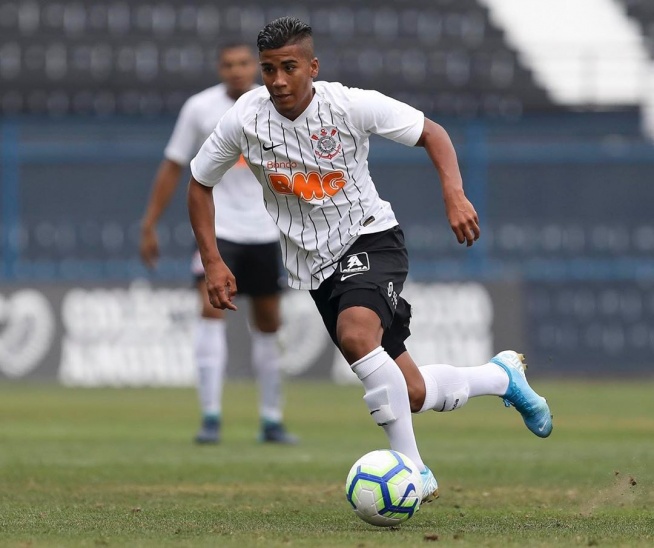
[{"x": 138, "y": 334}]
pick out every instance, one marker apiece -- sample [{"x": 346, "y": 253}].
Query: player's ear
[{"x": 315, "y": 67}]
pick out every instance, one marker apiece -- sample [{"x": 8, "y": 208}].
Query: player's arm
[
  {"x": 373, "y": 112},
  {"x": 221, "y": 284},
  {"x": 219, "y": 152},
  {"x": 183, "y": 143},
  {"x": 163, "y": 189},
  {"x": 460, "y": 212}
]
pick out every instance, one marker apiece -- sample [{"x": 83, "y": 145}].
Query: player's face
[
  {"x": 288, "y": 74},
  {"x": 237, "y": 69}
]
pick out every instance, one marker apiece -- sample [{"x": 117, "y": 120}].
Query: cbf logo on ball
[{"x": 327, "y": 147}]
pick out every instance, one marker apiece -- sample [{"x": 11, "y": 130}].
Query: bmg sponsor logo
[{"x": 308, "y": 186}]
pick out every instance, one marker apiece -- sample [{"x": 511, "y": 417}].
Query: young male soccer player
[
  {"x": 307, "y": 144},
  {"x": 248, "y": 239}
]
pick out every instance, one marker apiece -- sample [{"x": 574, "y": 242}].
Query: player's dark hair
[
  {"x": 231, "y": 44},
  {"x": 284, "y": 31}
]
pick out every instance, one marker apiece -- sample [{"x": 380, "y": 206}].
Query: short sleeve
[
  {"x": 374, "y": 112},
  {"x": 185, "y": 139},
  {"x": 219, "y": 152}
]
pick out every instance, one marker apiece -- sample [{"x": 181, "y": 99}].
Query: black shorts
[
  {"x": 370, "y": 274},
  {"x": 256, "y": 267}
]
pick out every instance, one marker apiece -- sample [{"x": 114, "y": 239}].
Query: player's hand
[
  {"x": 463, "y": 219},
  {"x": 221, "y": 286},
  {"x": 149, "y": 247}
]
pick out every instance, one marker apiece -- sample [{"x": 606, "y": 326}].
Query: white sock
[
  {"x": 210, "y": 360},
  {"x": 266, "y": 364},
  {"x": 448, "y": 387},
  {"x": 387, "y": 397}
]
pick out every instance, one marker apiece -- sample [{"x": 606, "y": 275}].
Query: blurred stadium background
[{"x": 551, "y": 123}]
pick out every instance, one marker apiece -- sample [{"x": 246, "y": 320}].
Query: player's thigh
[{"x": 372, "y": 275}]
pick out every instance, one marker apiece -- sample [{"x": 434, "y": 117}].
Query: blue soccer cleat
[
  {"x": 275, "y": 432},
  {"x": 209, "y": 432},
  {"x": 533, "y": 408},
  {"x": 429, "y": 486}
]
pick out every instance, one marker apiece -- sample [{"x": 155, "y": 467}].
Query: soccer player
[
  {"x": 249, "y": 240},
  {"x": 307, "y": 144}
]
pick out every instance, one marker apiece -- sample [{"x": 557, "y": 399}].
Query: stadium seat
[{"x": 55, "y": 54}]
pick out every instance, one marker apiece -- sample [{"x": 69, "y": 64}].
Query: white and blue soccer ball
[{"x": 384, "y": 488}]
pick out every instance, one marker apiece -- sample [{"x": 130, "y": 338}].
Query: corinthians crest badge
[{"x": 326, "y": 146}]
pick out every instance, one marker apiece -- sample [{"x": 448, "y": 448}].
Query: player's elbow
[
  {"x": 431, "y": 133},
  {"x": 196, "y": 193},
  {"x": 195, "y": 187}
]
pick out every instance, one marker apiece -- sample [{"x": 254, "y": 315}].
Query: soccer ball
[{"x": 384, "y": 488}]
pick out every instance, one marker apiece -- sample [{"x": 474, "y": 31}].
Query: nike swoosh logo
[
  {"x": 346, "y": 276},
  {"x": 542, "y": 427},
  {"x": 271, "y": 146}
]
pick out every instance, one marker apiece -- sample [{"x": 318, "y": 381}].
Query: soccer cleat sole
[
  {"x": 430, "y": 498},
  {"x": 205, "y": 437},
  {"x": 206, "y": 441},
  {"x": 290, "y": 440}
]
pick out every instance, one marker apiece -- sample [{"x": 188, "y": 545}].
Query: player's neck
[
  {"x": 234, "y": 94},
  {"x": 299, "y": 109}
]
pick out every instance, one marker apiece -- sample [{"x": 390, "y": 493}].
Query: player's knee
[
  {"x": 267, "y": 325},
  {"x": 266, "y": 315},
  {"x": 358, "y": 332},
  {"x": 356, "y": 343}
]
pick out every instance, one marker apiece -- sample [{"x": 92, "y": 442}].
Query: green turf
[{"x": 116, "y": 468}]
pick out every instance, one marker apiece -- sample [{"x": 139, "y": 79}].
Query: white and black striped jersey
[{"x": 313, "y": 170}]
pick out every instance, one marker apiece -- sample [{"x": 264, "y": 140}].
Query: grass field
[{"x": 116, "y": 468}]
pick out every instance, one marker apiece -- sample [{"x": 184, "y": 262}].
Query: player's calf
[{"x": 446, "y": 388}]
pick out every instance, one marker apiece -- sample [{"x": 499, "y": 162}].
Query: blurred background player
[{"x": 249, "y": 240}]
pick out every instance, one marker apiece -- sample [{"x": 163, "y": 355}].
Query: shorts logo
[
  {"x": 327, "y": 146},
  {"x": 392, "y": 294},
  {"x": 357, "y": 262}
]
